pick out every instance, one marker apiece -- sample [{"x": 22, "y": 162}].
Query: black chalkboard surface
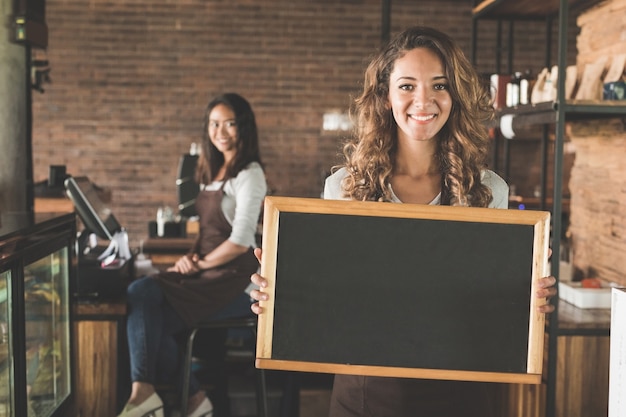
[{"x": 403, "y": 290}]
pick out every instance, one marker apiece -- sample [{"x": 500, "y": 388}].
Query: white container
[{"x": 575, "y": 294}]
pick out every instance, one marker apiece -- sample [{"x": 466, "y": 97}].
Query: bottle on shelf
[
  {"x": 525, "y": 87},
  {"x": 164, "y": 214},
  {"x": 513, "y": 90},
  {"x": 498, "y": 83}
]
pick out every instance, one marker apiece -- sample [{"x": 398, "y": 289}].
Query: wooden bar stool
[{"x": 230, "y": 323}]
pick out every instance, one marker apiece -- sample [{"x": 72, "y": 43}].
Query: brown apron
[
  {"x": 198, "y": 297},
  {"x": 368, "y": 396}
]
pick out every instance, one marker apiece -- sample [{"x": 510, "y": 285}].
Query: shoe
[
  {"x": 205, "y": 409},
  {"x": 151, "y": 407}
]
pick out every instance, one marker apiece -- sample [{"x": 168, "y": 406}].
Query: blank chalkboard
[{"x": 388, "y": 289}]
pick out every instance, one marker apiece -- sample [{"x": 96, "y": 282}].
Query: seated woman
[{"x": 215, "y": 273}]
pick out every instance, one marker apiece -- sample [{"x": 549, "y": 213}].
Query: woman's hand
[
  {"x": 201, "y": 264},
  {"x": 186, "y": 265},
  {"x": 546, "y": 290},
  {"x": 257, "y": 279}
]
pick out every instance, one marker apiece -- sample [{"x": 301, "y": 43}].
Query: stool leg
[
  {"x": 261, "y": 393},
  {"x": 184, "y": 395},
  {"x": 261, "y": 388},
  {"x": 290, "y": 402}
]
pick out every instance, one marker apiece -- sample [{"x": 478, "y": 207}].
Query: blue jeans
[{"x": 152, "y": 327}]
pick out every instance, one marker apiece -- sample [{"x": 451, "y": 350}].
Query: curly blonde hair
[{"x": 463, "y": 142}]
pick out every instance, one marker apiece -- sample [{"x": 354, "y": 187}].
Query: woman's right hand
[
  {"x": 261, "y": 282},
  {"x": 186, "y": 265}
]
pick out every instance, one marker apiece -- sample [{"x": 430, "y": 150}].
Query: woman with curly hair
[
  {"x": 420, "y": 139},
  {"x": 411, "y": 133}
]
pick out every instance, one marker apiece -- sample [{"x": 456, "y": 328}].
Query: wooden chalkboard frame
[{"x": 291, "y": 226}]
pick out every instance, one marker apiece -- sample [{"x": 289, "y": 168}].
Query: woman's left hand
[{"x": 546, "y": 289}]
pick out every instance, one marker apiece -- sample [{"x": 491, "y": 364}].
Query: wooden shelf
[
  {"x": 524, "y": 9},
  {"x": 573, "y": 382},
  {"x": 546, "y": 113},
  {"x": 534, "y": 203}
]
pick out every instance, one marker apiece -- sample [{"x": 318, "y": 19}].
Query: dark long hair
[{"x": 211, "y": 159}]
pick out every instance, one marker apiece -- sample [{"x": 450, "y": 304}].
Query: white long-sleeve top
[
  {"x": 499, "y": 189},
  {"x": 242, "y": 202}
]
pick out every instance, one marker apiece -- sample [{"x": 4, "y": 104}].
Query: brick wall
[
  {"x": 130, "y": 80},
  {"x": 598, "y": 179}
]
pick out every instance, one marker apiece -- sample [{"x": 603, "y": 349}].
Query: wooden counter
[
  {"x": 583, "y": 361},
  {"x": 101, "y": 355},
  {"x": 595, "y": 321},
  {"x": 53, "y": 205},
  {"x": 582, "y": 387},
  {"x": 165, "y": 251}
]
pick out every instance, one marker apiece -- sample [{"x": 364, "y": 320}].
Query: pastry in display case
[{"x": 47, "y": 333}]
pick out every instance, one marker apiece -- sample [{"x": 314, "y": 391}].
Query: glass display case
[
  {"x": 36, "y": 269},
  {"x": 6, "y": 353}
]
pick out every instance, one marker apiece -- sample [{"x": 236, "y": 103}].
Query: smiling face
[
  {"x": 222, "y": 130},
  {"x": 419, "y": 95}
]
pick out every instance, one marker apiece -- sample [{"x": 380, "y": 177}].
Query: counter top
[
  {"x": 12, "y": 223},
  {"x": 584, "y": 320},
  {"x": 85, "y": 310},
  {"x": 168, "y": 245},
  {"x": 21, "y": 229}
]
